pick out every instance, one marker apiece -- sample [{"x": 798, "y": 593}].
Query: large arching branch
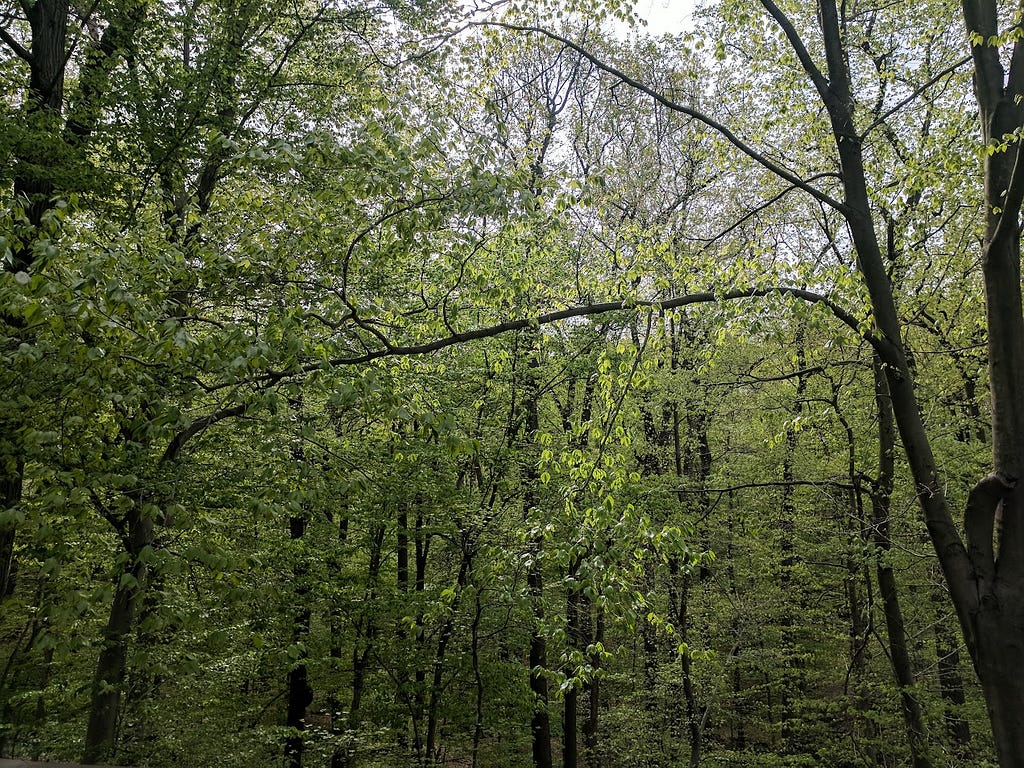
[{"x": 720, "y": 128}]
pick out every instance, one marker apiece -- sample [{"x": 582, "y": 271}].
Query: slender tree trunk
[
  {"x": 951, "y": 686},
  {"x": 694, "y": 462},
  {"x": 422, "y": 549},
  {"x": 443, "y": 640},
  {"x": 111, "y": 667},
  {"x": 792, "y": 682},
  {"x": 577, "y": 606},
  {"x": 300, "y": 693},
  {"x": 12, "y": 468},
  {"x": 577, "y": 641},
  {"x": 48, "y": 20},
  {"x": 880, "y": 500},
  {"x": 344, "y": 755},
  {"x": 593, "y": 690},
  {"x": 858, "y": 575},
  {"x": 540, "y": 725},
  {"x": 478, "y": 680}
]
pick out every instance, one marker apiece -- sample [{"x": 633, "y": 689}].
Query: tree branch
[
  {"x": 979, "y": 525},
  {"x": 819, "y": 80},
  {"x": 15, "y": 46},
  {"x": 914, "y": 94},
  {"x": 548, "y": 318},
  {"x": 590, "y": 310},
  {"x": 721, "y": 129},
  {"x": 178, "y": 442}
]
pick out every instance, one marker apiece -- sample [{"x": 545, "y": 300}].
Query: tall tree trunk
[
  {"x": 478, "y": 679},
  {"x": 988, "y": 594},
  {"x": 47, "y": 59},
  {"x": 992, "y": 612},
  {"x": 577, "y": 606},
  {"x": 951, "y": 685},
  {"x": 858, "y": 575},
  {"x": 694, "y": 462},
  {"x": 577, "y": 642},
  {"x": 12, "y": 468},
  {"x": 880, "y": 500},
  {"x": 344, "y": 755},
  {"x": 593, "y": 691},
  {"x": 792, "y": 682},
  {"x": 540, "y": 724},
  {"x": 111, "y": 666},
  {"x": 300, "y": 693},
  {"x": 443, "y": 639}
]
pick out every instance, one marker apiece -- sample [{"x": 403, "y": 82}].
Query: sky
[{"x": 665, "y": 16}]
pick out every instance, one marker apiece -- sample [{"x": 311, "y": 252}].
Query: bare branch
[
  {"x": 758, "y": 157},
  {"x": 588, "y": 310},
  {"x": 914, "y": 94}
]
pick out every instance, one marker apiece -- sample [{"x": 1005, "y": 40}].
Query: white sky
[{"x": 665, "y": 16}]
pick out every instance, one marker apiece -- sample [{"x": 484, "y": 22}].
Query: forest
[{"x": 421, "y": 383}]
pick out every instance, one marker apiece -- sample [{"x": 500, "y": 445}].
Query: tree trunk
[
  {"x": 33, "y": 181},
  {"x": 951, "y": 686},
  {"x": 300, "y": 693},
  {"x": 540, "y": 725},
  {"x": 792, "y": 679},
  {"x": 344, "y": 755},
  {"x": 593, "y": 690},
  {"x": 698, "y": 468},
  {"x": 444, "y": 638},
  {"x": 111, "y": 667},
  {"x": 880, "y": 501},
  {"x": 478, "y": 680},
  {"x": 577, "y": 642},
  {"x": 988, "y": 595},
  {"x": 990, "y": 598},
  {"x": 12, "y": 468}
]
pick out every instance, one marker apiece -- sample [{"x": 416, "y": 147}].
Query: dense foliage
[{"x": 401, "y": 384}]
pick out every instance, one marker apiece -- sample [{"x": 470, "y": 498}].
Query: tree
[{"x": 985, "y": 581}]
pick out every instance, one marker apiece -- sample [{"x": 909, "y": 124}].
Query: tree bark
[
  {"x": 951, "y": 686},
  {"x": 111, "y": 667},
  {"x": 540, "y": 724},
  {"x": 300, "y": 693}
]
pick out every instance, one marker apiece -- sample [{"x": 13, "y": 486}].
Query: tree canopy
[{"x": 429, "y": 384}]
